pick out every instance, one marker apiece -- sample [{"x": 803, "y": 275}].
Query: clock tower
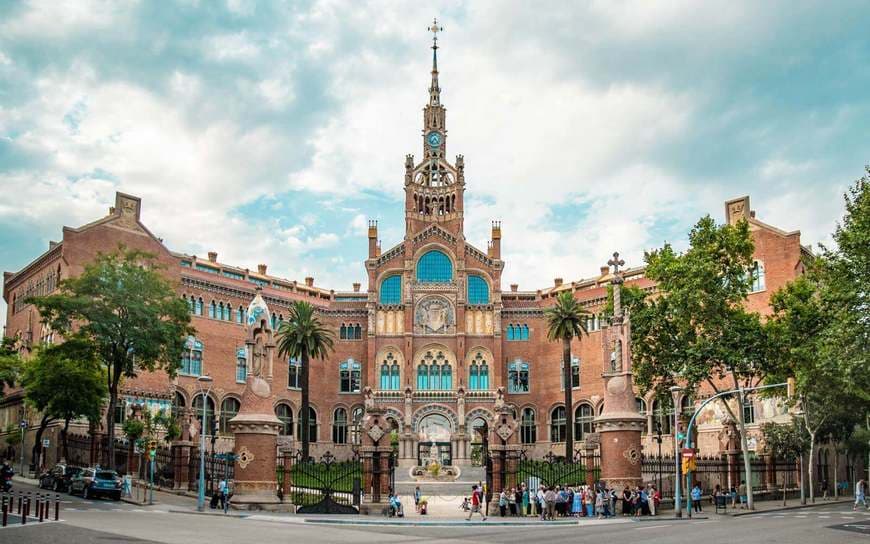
[{"x": 434, "y": 187}]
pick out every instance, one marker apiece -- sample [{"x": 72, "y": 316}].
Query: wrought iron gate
[{"x": 327, "y": 486}]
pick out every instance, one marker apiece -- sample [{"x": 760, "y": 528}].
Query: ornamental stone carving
[
  {"x": 434, "y": 315},
  {"x": 245, "y": 457},
  {"x": 375, "y": 433},
  {"x": 632, "y": 454},
  {"x": 504, "y": 431}
]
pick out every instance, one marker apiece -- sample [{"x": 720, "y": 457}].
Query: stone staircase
[{"x": 461, "y": 487}]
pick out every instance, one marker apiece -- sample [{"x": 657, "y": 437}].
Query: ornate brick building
[{"x": 433, "y": 338}]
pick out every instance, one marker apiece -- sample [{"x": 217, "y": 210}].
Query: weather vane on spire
[{"x": 435, "y": 29}]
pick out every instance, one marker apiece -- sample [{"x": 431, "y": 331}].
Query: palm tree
[
  {"x": 304, "y": 336},
  {"x": 565, "y": 321}
]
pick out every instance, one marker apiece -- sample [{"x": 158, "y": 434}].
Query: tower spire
[{"x": 434, "y": 88}]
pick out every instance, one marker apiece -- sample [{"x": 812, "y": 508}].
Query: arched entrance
[
  {"x": 434, "y": 432},
  {"x": 479, "y": 441}
]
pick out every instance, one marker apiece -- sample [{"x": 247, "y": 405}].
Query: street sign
[
  {"x": 689, "y": 453},
  {"x": 23, "y": 424},
  {"x": 152, "y": 454},
  {"x": 46, "y": 442}
]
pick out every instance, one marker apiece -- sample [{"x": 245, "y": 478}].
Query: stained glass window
[
  {"x": 478, "y": 290},
  {"x": 391, "y": 290},
  {"x": 433, "y": 267}
]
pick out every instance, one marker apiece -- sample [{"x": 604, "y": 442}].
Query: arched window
[
  {"x": 356, "y": 417},
  {"x": 294, "y": 370},
  {"x": 478, "y": 290},
  {"x": 478, "y": 373},
  {"x": 342, "y": 332},
  {"x": 209, "y": 413},
  {"x": 212, "y": 309},
  {"x": 220, "y": 311},
  {"x": 434, "y": 372},
  {"x": 558, "y": 428},
  {"x": 349, "y": 376},
  {"x": 357, "y": 332},
  {"x": 391, "y": 290},
  {"x": 748, "y": 410},
  {"x": 229, "y": 410},
  {"x": 191, "y": 357},
  {"x": 274, "y": 321},
  {"x": 177, "y": 403},
  {"x": 312, "y": 426},
  {"x": 389, "y": 373},
  {"x": 663, "y": 414},
  {"x": 434, "y": 267},
  {"x": 510, "y": 332},
  {"x": 525, "y": 332},
  {"x": 756, "y": 277},
  {"x": 285, "y": 414},
  {"x": 528, "y": 427},
  {"x": 518, "y": 376},
  {"x": 240, "y": 315},
  {"x": 192, "y": 303},
  {"x": 198, "y": 307},
  {"x": 241, "y": 365},
  {"x": 227, "y": 312},
  {"x": 642, "y": 410},
  {"x": 583, "y": 421},
  {"x": 339, "y": 426},
  {"x": 687, "y": 406}
]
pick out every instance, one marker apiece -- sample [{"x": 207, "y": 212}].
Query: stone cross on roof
[{"x": 616, "y": 262}]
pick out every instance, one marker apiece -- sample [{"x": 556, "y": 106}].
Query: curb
[
  {"x": 216, "y": 514},
  {"x": 649, "y": 519},
  {"x": 785, "y": 508}
]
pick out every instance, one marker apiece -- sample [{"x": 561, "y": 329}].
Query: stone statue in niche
[{"x": 258, "y": 356}]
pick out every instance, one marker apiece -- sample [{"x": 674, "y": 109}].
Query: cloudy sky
[{"x": 270, "y": 131}]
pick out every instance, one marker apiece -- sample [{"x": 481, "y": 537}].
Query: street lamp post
[
  {"x": 658, "y": 439},
  {"x": 200, "y": 501},
  {"x": 678, "y": 510}
]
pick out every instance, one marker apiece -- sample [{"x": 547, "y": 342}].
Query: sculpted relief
[{"x": 434, "y": 315}]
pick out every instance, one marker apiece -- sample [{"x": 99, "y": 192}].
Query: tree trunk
[
  {"x": 64, "y": 434},
  {"x": 810, "y": 466},
  {"x": 836, "y": 473},
  {"x": 36, "y": 452},
  {"x": 303, "y": 417},
  {"x": 569, "y": 405},
  {"x": 784, "y": 486},
  {"x": 110, "y": 419}
]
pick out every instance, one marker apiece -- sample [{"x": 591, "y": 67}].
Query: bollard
[
  {"x": 56, "y": 506},
  {"x": 19, "y": 503},
  {"x": 41, "y": 509},
  {"x": 24, "y": 512},
  {"x": 37, "y": 504},
  {"x": 5, "y": 513}
]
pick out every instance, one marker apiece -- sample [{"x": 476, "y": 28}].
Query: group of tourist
[{"x": 551, "y": 502}]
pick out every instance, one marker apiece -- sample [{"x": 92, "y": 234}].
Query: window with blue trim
[
  {"x": 434, "y": 372},
  {"x": 518, "y": 376},
  {"x": 241, "y": 365},
  {"x": 478, "y": 377},
  {"x": 478, "y": 290},
  {"x": 390, "y": 373},
  {"x": 212, "y": 309},
  {"x": 191, "y": 357},
  {"x": 517, "y": 332},
  {"x": 198, "y": 307},
  {"x": 349, "y": 373},
  {"x": 391, "y": 290},
  {"x": 434, "y": 267}
]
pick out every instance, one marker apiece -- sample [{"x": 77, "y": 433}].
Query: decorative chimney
[
  {"x": 557, "y": 282},
  {"x": 261, "y": 269},
  {"x": 309, "y": 281},
  {"x": 604, "y": 270},
  {"x": 515, "y": 287},
  {"x": 374, "y": 248},
  {"x": 356, "y": 287},
  {"x": 212, "y": 256}
]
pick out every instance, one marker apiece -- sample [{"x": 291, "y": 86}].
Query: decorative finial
[
  {"x": 616, "y": 262},
  {"x": 435, "y": 29}
]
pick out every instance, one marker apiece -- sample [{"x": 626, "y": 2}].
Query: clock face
[{"x": 433, "y": 139}]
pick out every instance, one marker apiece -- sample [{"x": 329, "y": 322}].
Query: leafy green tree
[
  {"x": 786, "y": 441},
  {"x": 696, "y": 330},
  {"x": 303, "y": 336},
  {"x": 131, "y": 314},
  {"x": 566, "y": 320},
  {"x": 10, "y": 364},
  {"x": 64, "y": 382}
]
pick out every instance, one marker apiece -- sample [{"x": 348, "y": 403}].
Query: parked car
[
  {"x": 95, "y": 482},
  {"x": 58, "y": 477}
]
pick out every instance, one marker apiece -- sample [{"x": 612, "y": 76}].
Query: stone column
[
  {"x": 375, "y": 449},
  {"x": 620, "y": 424},
  {"x": 591, "y": 446},
  {"x": 180, "y": 454}
]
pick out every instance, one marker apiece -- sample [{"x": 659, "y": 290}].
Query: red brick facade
[{"x": 429, "y": 320}]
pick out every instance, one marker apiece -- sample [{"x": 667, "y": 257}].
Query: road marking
[
  {"x": 824, "y": 517},
  {"x": 653, "y": 527}
]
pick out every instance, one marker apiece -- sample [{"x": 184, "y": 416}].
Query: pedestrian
[
  {"x": 656, "y": 500},
  {"x": 417, "y": 498},
  {"x": 599, "y": 504},
  {"x": 860, "y": 495},
  {"x": 223, "y": 489},
  {"x": 502, "y": 503},
  {"x": 626, "y": 502},
  {"x": 560, "y": 501},
  {"x": 476, "y": 500},
  {"x": 550, "y": 500},
  {"x": 542, "y": 502},
  {"x": 741, "y": 490},
  {"x": 733, "y": 494},
  {"x": 824, "y": 489},
  {"x": 576, "y": 505},
  {"x": 525, "y": 501},
  {"x": 512, "y": 502},
  {"x": 696, "y": 497}
]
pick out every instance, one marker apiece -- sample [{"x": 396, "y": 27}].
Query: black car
[
  {"x": 94, "y": 482},
  {"x": 58, "y": 477}
]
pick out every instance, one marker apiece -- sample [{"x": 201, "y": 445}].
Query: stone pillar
[
  {"x": 180, "y": 454},
  {"x": 256, "y": 427},
  {"x": 591, "y": 447},
  {"x": 620, "y": 424},
  {"x": 287, "y": 465},
  {"x": 375, "y": 449}
]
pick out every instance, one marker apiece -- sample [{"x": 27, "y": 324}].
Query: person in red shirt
[{"x": 476, "y": 502}]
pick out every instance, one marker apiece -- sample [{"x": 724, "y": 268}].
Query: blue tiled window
[
  {"x": 434, "y": 267},
  {"x": 517, "y": 331},
  {"x": 478, "y": 290},
  {"x": 391, "y": 290},
  {"x": 478, "y": 373},
  {"x": 390, "y": 373},
  {"x": 434, "y": 372},
  {"x": 241, "y": 365}
]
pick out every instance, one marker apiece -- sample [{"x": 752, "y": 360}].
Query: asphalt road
[{"x": 105, "y": 521}]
